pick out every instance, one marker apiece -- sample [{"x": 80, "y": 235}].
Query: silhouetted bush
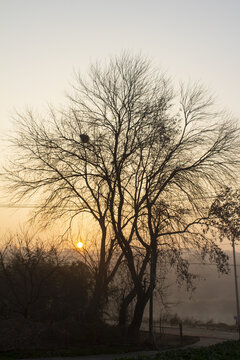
[{"x": 37, "y": 283}]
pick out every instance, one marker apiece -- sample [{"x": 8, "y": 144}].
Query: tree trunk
[
  {"x": 123, "y": 312},
  {"x": 134, "y": 327},
  {"x": 96, "y": 303},
  {"x": 95, "y": 307}
]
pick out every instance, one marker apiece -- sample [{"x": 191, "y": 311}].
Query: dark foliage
[
  {"x": 225, "y": 214},
  {"x": 39, "y": 284}
]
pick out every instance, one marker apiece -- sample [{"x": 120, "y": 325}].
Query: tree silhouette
[{"x": 142, "y": 172}]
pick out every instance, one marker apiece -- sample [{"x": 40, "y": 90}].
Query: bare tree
[
  {"x": 137, "y": 158},
  {"x": 27, "y": 266},
  {"x": 224, "y": 218}
]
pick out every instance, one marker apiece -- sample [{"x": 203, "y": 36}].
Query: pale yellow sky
[{"x": 43, "y": 42}]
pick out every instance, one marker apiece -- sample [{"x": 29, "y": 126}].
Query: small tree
[{"x": 224, "y": 216}]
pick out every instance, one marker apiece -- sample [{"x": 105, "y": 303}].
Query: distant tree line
[{"x": 38, "y": 283}]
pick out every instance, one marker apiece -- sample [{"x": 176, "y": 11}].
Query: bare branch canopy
[{"x": 136, "y": 155}]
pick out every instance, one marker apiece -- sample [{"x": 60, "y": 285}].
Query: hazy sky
[{"x": 43, "y": 41}]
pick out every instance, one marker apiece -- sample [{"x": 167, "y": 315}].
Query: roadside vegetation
[{"x": 223, "y": 351}]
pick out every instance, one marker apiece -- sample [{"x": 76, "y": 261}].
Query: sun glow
[{"x": 80, "y": 244}]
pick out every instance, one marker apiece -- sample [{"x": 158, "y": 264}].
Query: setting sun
[{"x": 79, "y": 244}]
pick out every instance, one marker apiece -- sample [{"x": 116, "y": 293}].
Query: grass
[
  {"x": 41, "y": 353},
  {"x": 171, "y": 341},
  {"x": 227, "y": 350}
]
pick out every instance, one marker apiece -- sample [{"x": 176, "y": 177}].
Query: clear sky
[{"x": 44, "y": 41}]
